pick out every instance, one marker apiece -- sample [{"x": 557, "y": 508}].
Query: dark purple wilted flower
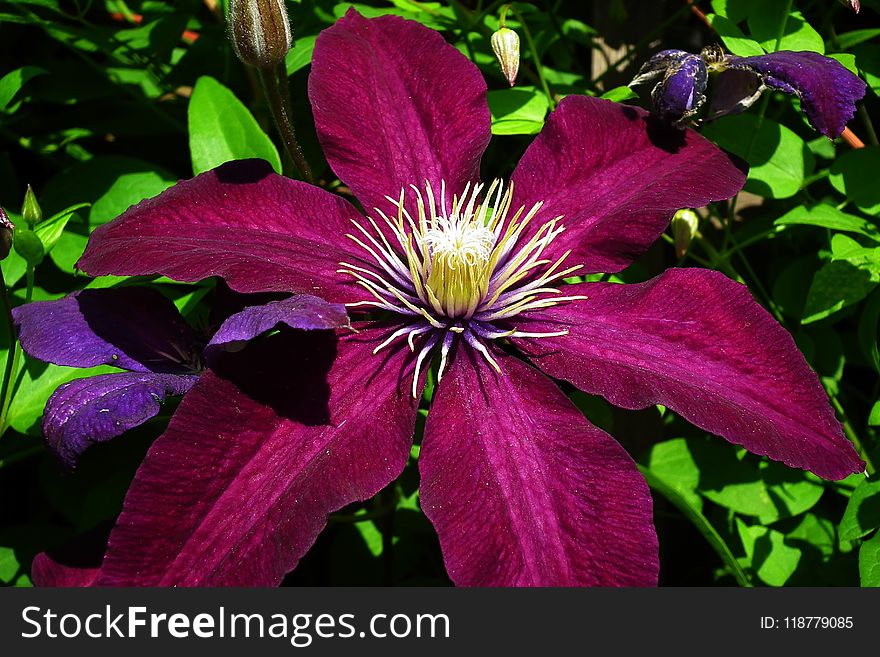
[
  {"x": 141, "y": 332},
  {"x": 827, "y": 90},
  {"x": 520, "y": 487}
]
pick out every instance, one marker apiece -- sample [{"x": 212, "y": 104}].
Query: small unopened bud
[
  {"x": 260, "y": 31},
  {"x": 28, "y": 245},
  {"x": 30, "y": 209},
  {"x": 7, "y": 228},
  {"x": 505, "y": 44},
  {"x": 855, "y": 4},
  {"x": 684, "y": 227}
]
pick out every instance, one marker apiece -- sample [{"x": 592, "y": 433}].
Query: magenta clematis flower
[{"x": 520, "y": 487}]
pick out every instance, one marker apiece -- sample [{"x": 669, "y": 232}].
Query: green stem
[
  {"x": 274, "y": 84},
  {"x": 527, "y": 33},
  {"x": 11, "y": 354},
  {"x": 852, "y": 435},
  {"x": 869, "y": 125},
  {"x": 21, "y": 456},
  {"x": 701, "y": 523}
]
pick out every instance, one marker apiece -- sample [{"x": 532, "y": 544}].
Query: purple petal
[
  {"x": 656, "y": 67},
  {"x": 695, "y": 341},
  {"x": 682, "y": 91},
  {"x": 134, "y": 328},
  {"x": 734, "y": 92},
  {"x": 301, "y": 311},
  {"x": 240, "y": 485},
  {"x": 394, "y": 106},
  {"x": 96, "y": 409},
  {"x": 827, "y": 90},
  {"x": 617, "y": 179},
  {"x": 241, "y": 221},
  {"x": 523, "y": 491}
]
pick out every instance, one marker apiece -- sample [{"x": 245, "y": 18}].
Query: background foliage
[{"x": 106, "y": 102}]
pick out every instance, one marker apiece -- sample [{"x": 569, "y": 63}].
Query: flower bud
[
  {"x": 855, "y": 4},
  {"x": 260, "y": 31},
  {"x": 30, "y": 209},
  {"x": 28, "y": 245},
  {"x": 6, "y": 230},
  {"x": 505, "y": 44},
  {"x": 684, "y": 227}
]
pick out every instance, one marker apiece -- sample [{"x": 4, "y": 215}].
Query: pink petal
[
  {"x": 242, "y": 481},
  {"x": 396, "y": 105},
  {"x": 523, "y": 491},
  {"x": 617, "y": 177},
  {"x": 695, "y": 341},
  {"x": 258, "y": 230}
]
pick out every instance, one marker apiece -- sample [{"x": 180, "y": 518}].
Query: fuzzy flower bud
[
  {"x": 30, "y": 208},
  {"x": 505, "y": 44},
  {"x": 855, "y": 4},
  {"x": 6, "y": 230},
  {"x": 684, "y": 227},
  {"x": 260, "y": 31}
]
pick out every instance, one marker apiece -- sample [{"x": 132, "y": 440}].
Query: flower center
[{"x": 462, "y": 269}]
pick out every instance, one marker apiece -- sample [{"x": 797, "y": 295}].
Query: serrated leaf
[
  {"x": 221, "y": 129},
  {"x": 862, "y": 515}
]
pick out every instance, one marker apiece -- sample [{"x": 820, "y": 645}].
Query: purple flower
[
  {"x": 141, "y": 332},
  {"x": 827, "y": 90},
  {"x": 520, "y": 487}
]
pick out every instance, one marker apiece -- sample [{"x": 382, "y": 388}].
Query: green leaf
[
  {"x": 735, "y": 10},
  {"x": 765, "y": 23},
  {"x": 49, "y": 230},
  {"x": 868, "y": 60},
  {"x": 12, "y": 82},
  {"x": 671, "y": 462},
  {"x": 778, "y": 159},
  {"x": 127, "y": 190},
  {"x": 869, "y": 562},
  {"x": 855, "y": 174},
  {"x": 733, "y": 38},
  {"x": 847, "y": 40},
  {"x": 221, "y": 129},
  {"x": 9, "y": 566},
  {"x": 619, "y": 94},
  {"x": 862, "y": 515},
  {"x": 835, "y": 286},
  {"x": 712, "y": 468},
  {"x": 771, "y": 558},
  {"x": 700, "y": 522},
  {"x": 848, "y": 61},
  {"x": 518, "y": 111},
  {"x": 828, "y": 216},
  {"x": 300, "y": 55},
  {"x": 874, "y": 417}
]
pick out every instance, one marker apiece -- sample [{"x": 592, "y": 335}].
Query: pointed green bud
[
  {"x": 28, "y": 245},
  {"x": 7, "y": 228},
  {"x": 260, "y": 31},
  {"x": 30, "y": 209},
  {"x": 684, "y": 227},
  {"x": 505, "y": 44}
]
